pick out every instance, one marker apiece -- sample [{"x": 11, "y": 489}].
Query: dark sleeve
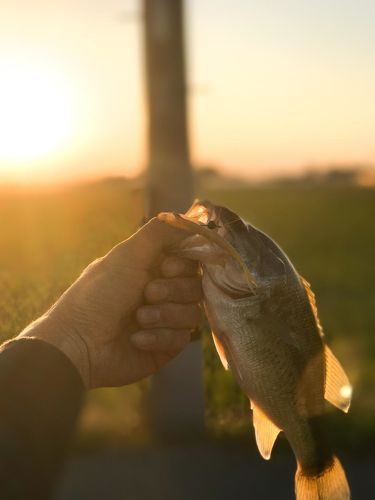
[{"x": 40, "y": 397}]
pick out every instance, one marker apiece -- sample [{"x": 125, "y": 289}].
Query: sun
[{"x": 36, "y": 111}]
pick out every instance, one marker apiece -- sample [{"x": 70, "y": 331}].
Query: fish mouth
[
  {"x": 201, "y": 212},
  {"x": 226, "y": 222},
  {"x": 202, "y": 219}
]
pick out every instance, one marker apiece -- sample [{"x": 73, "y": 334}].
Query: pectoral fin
[
  {"x": 266, "y": 432},
  {"x": 220, "y": 350},
  {"x": 338, "y": 390}
]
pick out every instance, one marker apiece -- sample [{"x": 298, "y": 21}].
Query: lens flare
[{"x": 36, "y": 111}]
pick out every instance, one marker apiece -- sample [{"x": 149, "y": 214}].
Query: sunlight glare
[
  {"x": 36, "y": 111},
  {"x": 346, "y": 391}
]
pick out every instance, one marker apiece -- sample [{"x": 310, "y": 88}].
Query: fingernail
[
  {"x": 148, "y": 315},
  {"x": 157, "y": 291}
]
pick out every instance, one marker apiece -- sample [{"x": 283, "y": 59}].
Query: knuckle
[
  {"x": 168, "y": 313},
  {"x": 154, "y": 223},
  {"x": 176, "y": 339},
  {"x": 193, "y": 289},
  {"x": 157, "y": 290},
  {"x": 185, "y": 290},
  {"x": 191, "y": 267},
  {"x": 168, "y": 339},
  {"x": 162, "y": 338},
  {"x": 149, "y": 315},
  {"x": 172, "y": 266},
  {"x": 180, "y": 316},
  {"x": 94, "y": 265}
]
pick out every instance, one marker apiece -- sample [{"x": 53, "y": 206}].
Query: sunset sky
[{"x": 279, "y": 85}]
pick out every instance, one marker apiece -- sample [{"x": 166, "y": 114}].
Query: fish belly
[{"x": 291, "y": 397}]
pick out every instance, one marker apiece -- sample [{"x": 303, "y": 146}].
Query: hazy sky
[{"x": 280, "y": 84}]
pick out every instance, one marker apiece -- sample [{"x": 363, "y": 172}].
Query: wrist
[{"x": 69, "y": 343}]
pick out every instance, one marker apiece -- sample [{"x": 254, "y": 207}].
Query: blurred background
[{"x": 110, "y": 111}]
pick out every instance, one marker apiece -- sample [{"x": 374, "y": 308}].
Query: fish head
[
  {"x": 237, "y": 257},
  {"x": 263, "y": 258}
]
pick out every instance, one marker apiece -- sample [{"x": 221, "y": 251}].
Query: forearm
[{"x": 41, "y": 394}]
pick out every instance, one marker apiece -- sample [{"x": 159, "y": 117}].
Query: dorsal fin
[
  {"x": 266, "y": 431},
  {"x": 314, "y": 308},
  {"x": 338, "y": 390},
  {"x": 221, "y": 351}
]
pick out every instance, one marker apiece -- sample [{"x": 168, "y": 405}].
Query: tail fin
[{"x": 331, "y": 484}]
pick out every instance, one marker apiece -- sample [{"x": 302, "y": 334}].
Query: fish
[{"x": 266, "y": 330}]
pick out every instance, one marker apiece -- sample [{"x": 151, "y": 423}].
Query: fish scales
[{"x": 265, "y": 367}]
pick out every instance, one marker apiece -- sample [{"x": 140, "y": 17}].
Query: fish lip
[{"x": 201, "y": 210}]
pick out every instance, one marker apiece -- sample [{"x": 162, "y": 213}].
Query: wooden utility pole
[{"x": 177, "y": 391}]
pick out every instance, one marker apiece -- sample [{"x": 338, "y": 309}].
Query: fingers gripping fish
[{"x": 266, "y": 329}]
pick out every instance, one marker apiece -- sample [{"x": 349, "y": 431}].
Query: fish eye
[{"x": 212, "y": 224}]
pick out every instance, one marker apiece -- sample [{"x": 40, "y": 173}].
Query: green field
[{"x": 48, "y": 237}]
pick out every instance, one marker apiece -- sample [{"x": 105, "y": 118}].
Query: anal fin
[
  {"x": 338, "y": 390},
  {"x": 266, "y": 431},
  {"x": 221, "y": 351}
]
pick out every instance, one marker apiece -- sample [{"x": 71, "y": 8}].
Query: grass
[{"x": 48, "y": 237}]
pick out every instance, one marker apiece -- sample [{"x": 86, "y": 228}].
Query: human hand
[{"x": 129, "y": 312}]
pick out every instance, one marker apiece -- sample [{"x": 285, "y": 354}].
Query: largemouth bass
[{"x": 267, "y": 331}]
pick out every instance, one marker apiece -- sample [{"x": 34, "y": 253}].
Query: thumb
[{"x": 146, "y": 245}]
